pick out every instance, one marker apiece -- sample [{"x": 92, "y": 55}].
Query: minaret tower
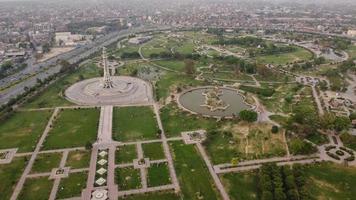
[{"x": 107, "y": 82}]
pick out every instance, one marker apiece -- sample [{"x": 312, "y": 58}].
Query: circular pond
[{"x": 213, "y": 102}]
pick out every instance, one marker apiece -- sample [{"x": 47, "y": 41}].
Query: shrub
[{"x": 275, "y": 129}]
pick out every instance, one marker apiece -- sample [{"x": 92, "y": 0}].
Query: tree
[
  {"x": 275, "y": 129},
  {"x": 248, "y": 115},
  {"x": 88, "y": 146},
  {"x": 342, "y": 123},
  {"x": 189, "y": 67}
]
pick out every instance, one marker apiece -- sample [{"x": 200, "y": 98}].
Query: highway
[{"x": 49, "y": 67}]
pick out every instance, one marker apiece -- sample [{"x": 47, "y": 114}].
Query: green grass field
[
  {"x": 170, "y": 81},
  {"x": 9, "y": 175},
  {"x": 125, "y": 154},
  {"x": 46, "y": 162},
  {"x": 78, "y": 159},
  {"x": 241, "y": 185},
  {"x": 175, "y": 121},
  {"x": 331, "y": 181},
  {"x": 72, "y": 186},
  {"x": 134, "y": 123},
  {"x": 73, "y": 128},
  {"x": 23, "y": 129},
  {"x": 36, "y": 189},
  {"x": 128, "y": 178},
  {"x": 153, "y": 151},
  {"x": 158, "y": 174},
  {"x": 284, "y": 58},
  {"x": 54, "y": 95},
  {"x": 175, "y": 65},
  {"x": 193, "y": 175}
]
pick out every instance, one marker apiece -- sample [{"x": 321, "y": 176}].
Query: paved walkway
[
  {"x": 167, "y": 152},
  {"x": 57, "y": 180},
  {"x": 317, "y": 101},
  {"x": 28, "y": 168},
  {"x": 216, "y": 179}
]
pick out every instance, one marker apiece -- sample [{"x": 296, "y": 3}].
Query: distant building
[
  {"x": 351, "y": 33},
  {"x": 139, "y": 40},
  {"x": 69, "y": 39}
]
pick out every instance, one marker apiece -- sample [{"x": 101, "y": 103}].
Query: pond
[{"x": 231, "y": 102}]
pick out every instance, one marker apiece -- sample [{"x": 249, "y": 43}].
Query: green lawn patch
[
  {"x": 73, "y": 128},
  {"x": 54, "y": 94},
  {"x": 241, "y": 185},
  {"x": 23, "y": 129},
  {"x": 171, "y": 81},
  {"x": 285, "y": 58},
  {"x": 78, "y": 159},
  {"x": 72, "y": 186},
  {"x": 349, "y": 140},
  {"x": 134, "y": 123},
  {"x": 331, "y": 181},
  {"x": 158, "y": 174},
  {"x": 9, "y": 175},
  {"x": 193, "y": 175},
  {"x": 175, "y": 121},
  {"x": 125, "y": 154},
  {"x": 176, "y": 65},
  {"x": 153, "y": 151},
  {"x": 318, "y": 138},
  {"x": 46, "y": 162},
  {"x": 36, "y": 189},
  {"x": 128, "y": 178}
]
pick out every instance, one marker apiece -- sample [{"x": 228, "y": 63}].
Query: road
[{"x": 73, "y": 56}]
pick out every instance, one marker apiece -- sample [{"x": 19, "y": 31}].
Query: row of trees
[{"x": 282, "y": 183}]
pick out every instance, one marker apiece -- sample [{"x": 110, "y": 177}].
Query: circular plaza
[{"x": 124, "y": 90}]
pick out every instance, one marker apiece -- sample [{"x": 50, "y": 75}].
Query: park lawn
[
  {"x": 158, "y": 174},
  {"x": 222, "y": 149},
  {"x": 241, "y": 185},
  {"x": 193, "y": 175},
  {"x": 154, "y": 196},
  {"x": 176, "y": 121},
  {"x": 134, "y": 123},
  {"x": 54, "y": 95},
  {"x": 23, "y": 129},
  {"x": 46, "y": 162},
  {"x": 9, "y": 175},
  {"x": 73, "y": 128},
  {"x": 170, "y": 81},
  {"x": 352, "y": 51},
  {"x": 127, "y": 49},
  {"x": 36, "y": 189},
  {"x": 153, "y": 151},
  {"x": 348, "y": 140},
  {"x": 331, "y": 181},
  {"x": 128, "y": 178},
  {"x": 72, "y": 186},
  {"x": 244, "y": 142},
  {"x": 285, "y": 58},
  {"x": 318, "y": 138},
  {"x": 78, "y": 159},
  {"x": 125, "y": 154},
  {"x": 281, "y": 120},
  {"x": 176, "y": 65},
  {"x": 186, "y": 48},
  {"x": 262, "y": 143}
]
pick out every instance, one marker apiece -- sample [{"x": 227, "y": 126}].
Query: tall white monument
[{"x": 107, "y": 81}]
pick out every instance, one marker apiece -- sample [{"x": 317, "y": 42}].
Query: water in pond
[{"x": 192, "y": 100}]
